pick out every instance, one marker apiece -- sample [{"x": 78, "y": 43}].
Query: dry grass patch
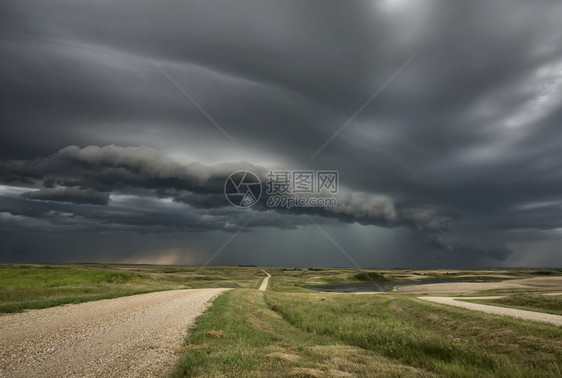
[
  {"x": 285, "y": 356},
  {"x": 341, "y": 360},
  {"x": 216, "y": 334},
  {"x": 307, "y": 372},
  {"x": 186, "y": 347}
]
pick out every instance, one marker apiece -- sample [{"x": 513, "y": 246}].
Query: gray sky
[{"x": 121, "y": 120}]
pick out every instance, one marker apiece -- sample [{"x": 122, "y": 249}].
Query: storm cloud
[
  {"x": 124, "y": 118},
  {"x": 79, "y": 175},
  {"x": 73, "y": 195}
]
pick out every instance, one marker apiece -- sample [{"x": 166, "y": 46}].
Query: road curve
[
  {"x": 512, "y": 312},
  {"x": 124, "y": 337},
  {"x": 263, "y": 286}
]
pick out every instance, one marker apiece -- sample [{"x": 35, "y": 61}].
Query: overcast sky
[{"x": 121, "y": 121}]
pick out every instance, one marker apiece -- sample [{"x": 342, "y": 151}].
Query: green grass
[
  {"x": 240, "y": 336},
  {"x": 52, "y": 277},
  {"x": 296, "y": 279},
  {"x": 291, "y": 331},
  {"x": 551, "y": 304},
  {"x": 34, "y": 286},
  {"x": 443, "y": 340}
]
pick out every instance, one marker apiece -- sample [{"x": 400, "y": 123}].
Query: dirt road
[
  {"x": 263, "y": 286},
  {"x": 548, "y": 283},
  {"x": 514, "y": 313},
  {"x": 132, "y": 336}
]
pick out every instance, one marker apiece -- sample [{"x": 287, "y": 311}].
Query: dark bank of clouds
[
  {"x": 146, "y": 183},
  {"x": 73, "y": 195},
  {"x": 459, "y": 153},
  {"x": 88, "y": 176}
]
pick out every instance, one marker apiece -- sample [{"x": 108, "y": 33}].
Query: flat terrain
[
  {"x": 134, "y": 336},
  {"x": 248, "y": 333},
  {"x": 33, "y": 286},
  {"x": 289, "y": 330},
  {"x": 512, "y": 312},
  {"x": 533, "y": 284},
  {"x": 282, "y": 329},
  {"x": 550, "y": 303}
]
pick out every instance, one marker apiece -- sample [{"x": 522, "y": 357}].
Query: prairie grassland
[
  {"x": 241, "y": 336},
  {"x": 28, "y": 286},
  {"x": 248, "y": 333},
  {"x": 550, "y": 304},
  {"x": 441, "y": 339},
  {"x": 472, "y": 280},
  {"x": 291, "y": 331}
]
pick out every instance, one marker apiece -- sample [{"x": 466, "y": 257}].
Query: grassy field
[
  {"x": 440, "y": 339},
  {"x": 295, "y": 279},
  {"x": 551, "y": 304},
  {"x": 241, "y": 336},
  {"x": 294, "y": 334},
  {"x": 292, "y": 331},
  {"x": 35, "y": 286}
]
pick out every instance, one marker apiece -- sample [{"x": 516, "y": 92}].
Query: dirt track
[
  {"x": 532, "y": 284},
  {"x": 263, "y": 286},
  {"x": 124, "y": 337},
  {"x": 512, "y": 312}
]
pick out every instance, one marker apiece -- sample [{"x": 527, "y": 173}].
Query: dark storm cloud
[
  {"x": 74, "y": 195},
  {"x": 113, "y": 167},
  {"x": 151, "y": 175},
  {"x": 81, "y": 172},
  {"x": 461, "y": 148}
]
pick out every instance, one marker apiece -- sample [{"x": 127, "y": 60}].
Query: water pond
[{"x": 374, "y": 286}]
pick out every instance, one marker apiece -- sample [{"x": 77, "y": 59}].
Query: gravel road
[
  {"x": 550, "y": 283},
  {"x": 263, "y": 286},
  {"x": 514, "y": 313},
  {"x": 132, "y": 336}
]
